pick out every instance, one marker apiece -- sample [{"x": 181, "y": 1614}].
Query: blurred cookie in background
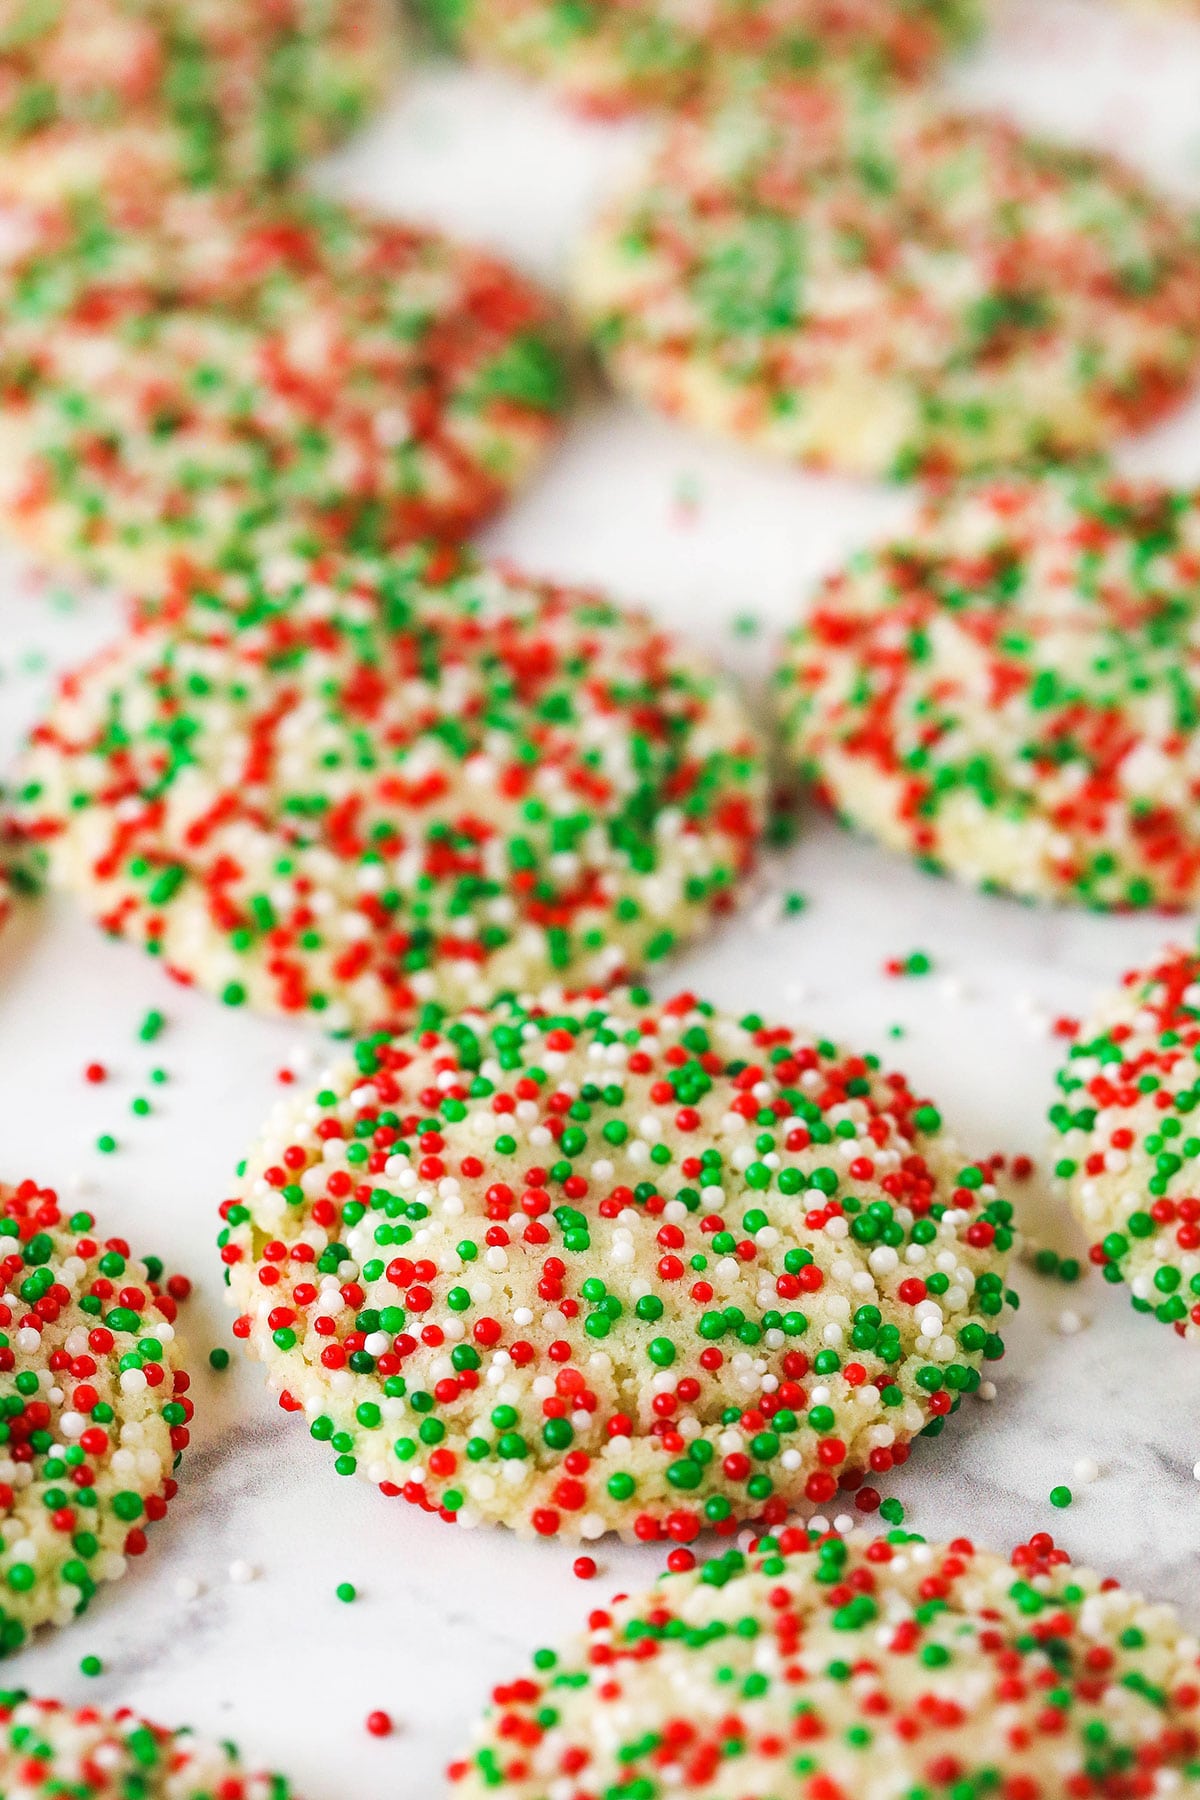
[
  {"x": 181, "y": 366},
  {"x": 878, "y": 286},
  {"x": 612, "y": 56},
  {"x": 246, "y": 91}
]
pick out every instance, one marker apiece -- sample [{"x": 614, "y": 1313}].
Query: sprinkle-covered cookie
[
  {"x": 611, "y": 1265},
  {"x": 244, "y": 91},
  {"x": 1126, "y": 1147},
  {"x": 886, "y": 288},
  {"x": 607, "y": 56},
  {"x": 824, "y": 1667},
  {"x": 177, "y": 368},
  {"x": 346, "y": 788},
  {"x": 50, "y": 1752},
  {"x": 93, "y": 1409},
  {"x": 1011, "y": 690}
]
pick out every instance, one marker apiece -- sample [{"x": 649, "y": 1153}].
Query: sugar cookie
[
  {"x": 95, "y": 1410},
  {"x": 345, "y": 788},
  {"x": 885, "y": 288},
  {"x": 1011, "y": 690},
  {"x": 824, "y": 1667},
  {"x": 611, "y": 1265},
  {"x": 180, "y": 368},
  {"x": 1126, "y": 1153}
]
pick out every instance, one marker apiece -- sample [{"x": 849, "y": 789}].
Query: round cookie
[
  {"x": 243, "y": 92},
  {"x": 608, "y": 56},
  {"x": 94, "y": 1404},
  {"x": 1011, "y": 690},
  {"x": 179, "y": 368},
  {"x": 882, "y": 287},
  {"x": 1126, "y": 1150},
  {"x": 824, "y": 1667},
  {"x": 611, "y": 1265},
  {"x": 49, "y": 1751},
  {"x": 393, "y": 783}
]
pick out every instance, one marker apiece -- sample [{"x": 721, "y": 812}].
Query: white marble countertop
[{"x": 277, "y": 1662}]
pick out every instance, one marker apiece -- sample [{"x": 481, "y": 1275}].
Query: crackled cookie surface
[
  {"x": 1011, "y": 690},
  {"x": 243, "y": 92},
  {"x": 883, "y": 287},
  {"x": 178, "y": 368},
  {"x": 1125, "y": 1142},
  {"x": 607, "y": 56},
  {"x": 93, "y": 1404},
  {"x": 345, "y": 788},
  {"x": 613, "y": 1265},
  {"x": 49, "y": 1751},
  {"x": 825, "y": 1667}
]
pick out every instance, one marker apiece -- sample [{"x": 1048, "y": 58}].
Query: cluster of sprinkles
[
  {"x": 96, "y": 1074},
  {"x": 239, "y": 92},
  {"x": 1126, "y": 1150},
  {"x": 1011, "y": 691},
  {"x": 179, "y": 367},
  {"x": 609, "y": 58},
  {"x": 603, "y": 1264},
  {"x": 345, "y": 788},
  {"x": 94, "y": 1409},
  {"x": 876, "y": 285},
  {"x": 851, "y": 1669},
  {"x": 50, "y": 1751},
  {"x": 917, "y": 962}
]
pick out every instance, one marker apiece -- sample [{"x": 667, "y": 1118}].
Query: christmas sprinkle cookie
[
  {"x": 606, "y": 58},
  {"x": 180, "y": 368},
  {"x": 824, "y": 1667},
  {"x": 346, "y": 788},
  {"x": 1011, "y": 691},
  {"x": 611, "y": 1265},
  {"x": 1126, "y": 1150},
  {"x": 93, "y": 1404},
  {"x": 50, "y": 1752},
  {"x": 243, "y": 92},
  {"x": 886, "y": 288}
]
